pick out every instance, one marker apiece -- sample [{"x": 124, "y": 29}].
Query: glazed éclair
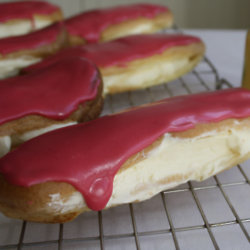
[
  {"x": 125, "y": 157},
  {"x": 106, "y": 24},
  {"x": 67, "y": 92},
  {"x": 19, "y": 18},
  {"x": 138, "y": 61},
  {"x": 21, "y": 51}
]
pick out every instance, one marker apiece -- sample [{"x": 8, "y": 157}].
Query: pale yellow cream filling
[
  {"x": 147, "y": 74},
  {"x": 173, "y": 162},
  {"x": 21, "y": 27},
  {"x": 11, "y": 67}
]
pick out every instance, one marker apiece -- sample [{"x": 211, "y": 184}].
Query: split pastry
[
  {"x": 125, "y": 157},
  {"x": 107, "y": 24},
  {"x": 22, "y": 17},
  {"x": 138, "y": 61},
  {"x": 61, "y": 95},
  {"x": 21, "y": 51}
]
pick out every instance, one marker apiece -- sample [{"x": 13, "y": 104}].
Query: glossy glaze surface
[
  {"x": 31, "y": 41},
  {"x": 121, "y": 51},
  {"x": 89, "y": 155},
  {"x": 25, "y": 10},
  {"x": 89, "y": 25},
  {"x": 53, "y": 92}
]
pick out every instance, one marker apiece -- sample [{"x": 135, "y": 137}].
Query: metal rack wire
[{"x": 157, "y": 223}]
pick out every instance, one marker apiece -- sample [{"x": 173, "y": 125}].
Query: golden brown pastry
[{"x": 125, "y": 157}]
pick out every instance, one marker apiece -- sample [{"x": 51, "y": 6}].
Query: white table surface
[{"x": 225, "y": 49}]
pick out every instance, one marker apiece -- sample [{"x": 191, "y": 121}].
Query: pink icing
[
  {"x": 53, "y": 92},
  {"x": 121, "y": 51},
  {"x": 89, "y": 155},
  {"x": 32, "y": 40},
  {"x": 25, "y": 10},
  {"x": 89, "y": 25}
]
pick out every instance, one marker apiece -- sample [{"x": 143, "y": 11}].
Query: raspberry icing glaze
[
  {"x": 89, "y": 25},
  {"x": 32, "y": 40},
  {"x": 89, "y": 155},
  {"x": 25, "y": 10},
  {"x": 53, "y": 92},
  {"x": 121, "y": 51}
]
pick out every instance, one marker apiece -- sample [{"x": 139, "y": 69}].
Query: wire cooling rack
[{"x": 213, "y": 214}]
